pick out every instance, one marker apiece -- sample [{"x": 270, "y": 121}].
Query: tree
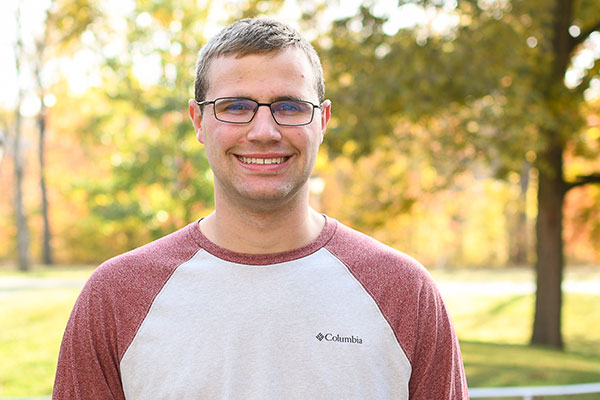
[
  {"x": 24, "y": 258},
  {"x": 60, "y": 31},
  {"x": 40, "y": 47},
  {"x": 494, "y": 77},
  {"x": 36, "y": 45},
  {"x": 553, "y": 186}
]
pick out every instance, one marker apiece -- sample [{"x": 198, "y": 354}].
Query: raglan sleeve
[
  {"x": 437, "y": 366},
  {"x": 88, "y": 363}
]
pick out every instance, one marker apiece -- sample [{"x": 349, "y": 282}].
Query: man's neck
[{"x": 249, "y": 232}]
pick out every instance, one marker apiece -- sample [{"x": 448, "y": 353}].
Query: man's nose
[{"x": 263, "y": 126}]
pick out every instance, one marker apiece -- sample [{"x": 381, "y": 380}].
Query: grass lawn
[
  {"x": 494, "y": 343},
  {"x": 493, "y": 329},
  {"x": 32, "y": 326},
  {"x": 497, "y": 365}
]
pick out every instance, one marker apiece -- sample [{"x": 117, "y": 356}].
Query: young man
[{"x": 264, "y": 298}]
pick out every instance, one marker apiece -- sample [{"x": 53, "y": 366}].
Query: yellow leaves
[
  {"x": 345, "y": 79},
  {"x": 123, "y": 197},
  {"x": 506, "y": 81},
  {"x": 465, "y": 19},
  {"x": 428, "y": 176},
  {"x": 162, "y": 216},
  {"x": 514, "y": 177},
  {"x": 208, "y": 174},
  {"x": 322, "y": 161},
  {"x": 116, "y": 159},
  {"x": 101, "y": 199},
  {"x": 349, "y": 148},
  {"x": 448, "y": 47},
  {"x": 395, "y": 196},
  {"x": 472, "y": 126}
]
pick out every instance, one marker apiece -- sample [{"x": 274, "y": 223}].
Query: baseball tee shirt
[{"x": 344, "y": 317}]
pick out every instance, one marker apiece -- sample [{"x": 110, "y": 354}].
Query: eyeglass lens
[{"x": 285, "y": 112}]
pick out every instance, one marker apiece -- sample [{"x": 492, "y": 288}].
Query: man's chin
[
  {"x": 268, "y": 200},
  {"x": 262, "y": 196}
]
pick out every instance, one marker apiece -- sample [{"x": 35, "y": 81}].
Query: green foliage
[
  {"x": 255, "y": 8},
  {"x": 489, "y": 79},
  {"x": 479, "y": 77},
  {"x": 157, "y": 174},
  {"x": 68, "y": 19}
]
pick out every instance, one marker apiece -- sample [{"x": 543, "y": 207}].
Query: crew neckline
[{"x": 263, "y": 259}]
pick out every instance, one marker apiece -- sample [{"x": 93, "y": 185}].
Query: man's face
[{"x": 236, "y": 152}]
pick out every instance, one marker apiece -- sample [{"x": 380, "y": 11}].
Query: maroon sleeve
[
  {"x": 411, "y": 303},
  {"x": 88, "y": 364},
  {"x": 435, "y": 356},
  {"x": 108, "y": 313}
]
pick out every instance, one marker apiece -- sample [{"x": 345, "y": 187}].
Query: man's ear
[
  {"x": 196, "y": 117},
  {"x": 325, "y": 117}
]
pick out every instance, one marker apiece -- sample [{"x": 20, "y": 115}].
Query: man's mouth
[{"x": 262, "y": 161}]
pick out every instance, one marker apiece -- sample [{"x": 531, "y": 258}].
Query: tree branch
[{"x": 583, "y": 180}]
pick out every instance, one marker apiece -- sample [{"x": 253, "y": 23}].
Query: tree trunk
[
  {"x": 549, "y": 265},
  {"x": 519, "y": 231},
  {"x": 21, "y": 218},
  {"x": 41, "y": 120},
  {"x": 46, "y": 248},
  {"x": 19, "y": 161}
]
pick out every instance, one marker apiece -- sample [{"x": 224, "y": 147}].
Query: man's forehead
[{"x": 232, "y": 69}]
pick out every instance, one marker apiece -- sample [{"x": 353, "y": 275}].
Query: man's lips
[{"x": 262, "y": 160}]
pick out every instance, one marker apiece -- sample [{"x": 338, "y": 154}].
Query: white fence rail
[{"x": 527, "y": 392}]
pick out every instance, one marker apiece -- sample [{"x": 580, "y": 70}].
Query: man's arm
[
  {"x": 88, "y": 364},
  {"x": 438, "y": 371}
]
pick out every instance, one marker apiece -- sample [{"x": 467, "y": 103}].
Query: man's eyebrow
[
  {"x": 287, "y": 97},
  {"x": 272, "y": 99}
]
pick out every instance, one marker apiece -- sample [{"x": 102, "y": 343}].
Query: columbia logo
[{"x": 329, "y": 337}]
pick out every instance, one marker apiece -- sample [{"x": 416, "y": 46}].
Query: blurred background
[{"x": 465, "y": 133}]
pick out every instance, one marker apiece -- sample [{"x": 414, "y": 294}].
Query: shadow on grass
[
  {"x": 486, "y": 316},
  {"x": 498, "y": 365}
]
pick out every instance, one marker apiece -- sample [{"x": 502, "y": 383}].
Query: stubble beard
[{"x": 265, "y": 200}]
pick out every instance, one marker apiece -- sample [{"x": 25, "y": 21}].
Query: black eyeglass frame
[{"x": 312, "y": 116}]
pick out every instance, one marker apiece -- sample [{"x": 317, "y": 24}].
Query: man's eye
[
  {"x": 235, "y": 106},
  {"x": 289, "y": 107}
]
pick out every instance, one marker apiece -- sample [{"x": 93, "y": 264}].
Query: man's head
[
  {"x": 254, "y": 36},
  {"x": 266, "y": 69}
]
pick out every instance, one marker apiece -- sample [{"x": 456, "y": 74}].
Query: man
[{"x": 264, "y": 298}]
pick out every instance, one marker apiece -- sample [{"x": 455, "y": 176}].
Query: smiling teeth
[{"x": 262, "y": 161}]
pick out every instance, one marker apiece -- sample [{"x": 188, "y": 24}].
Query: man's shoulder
[
  {"x": 152, "y": 259},
  {"x": 351, "y": 244},
  {"x": 376, "y": 264}
]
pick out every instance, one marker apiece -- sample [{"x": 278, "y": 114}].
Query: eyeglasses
[{"x": 239, "y": 110}]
